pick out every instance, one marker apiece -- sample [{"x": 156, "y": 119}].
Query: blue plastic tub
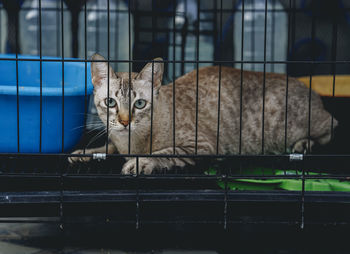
[{"x": 27, "y": 118}]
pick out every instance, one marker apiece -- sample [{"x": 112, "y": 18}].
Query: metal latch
[
  {"x": 99, "y": 156},
  {"x": 296, "y": 157}
]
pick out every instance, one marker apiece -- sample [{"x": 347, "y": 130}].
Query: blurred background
[
  {"x": 141, "y": 30},
  {"x": 186, "y": 31}
]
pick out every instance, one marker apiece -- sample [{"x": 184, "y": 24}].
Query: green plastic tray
[{"x": 283, "y": 184}]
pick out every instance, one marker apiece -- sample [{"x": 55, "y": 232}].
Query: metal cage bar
[
  {"x": 63, "y": 195},
  {"x": 41, "y": 77}
]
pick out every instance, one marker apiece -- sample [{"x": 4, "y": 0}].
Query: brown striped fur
[{"x": 229, "y": 123}]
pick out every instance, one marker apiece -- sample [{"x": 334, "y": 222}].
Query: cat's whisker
[
  {"x": 94, "y": 124},
  {"x": 89, "y": 125},
  {"x": 78, "y": 127},
  {"x": 88, "y": 114},
  {"x": 98, "y": 135},
  {"x": 99, "y": 130},
  {"x": 92, "y": 130}
]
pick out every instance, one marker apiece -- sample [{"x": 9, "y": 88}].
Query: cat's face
[{"x": 136, "y": 95}]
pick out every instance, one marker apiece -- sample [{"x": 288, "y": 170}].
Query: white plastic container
[
  {"x": 3, "y": 29},
  {"x": 254, "y": 34},
  {"x": 188, "y": 9},
  {"x": 51, "y": 30},
  {"x": 97, "y": 31}
]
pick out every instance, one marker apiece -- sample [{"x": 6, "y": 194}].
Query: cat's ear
[
  {"x": 99, "y": 70},
  {"x": 158, "y": 68}
]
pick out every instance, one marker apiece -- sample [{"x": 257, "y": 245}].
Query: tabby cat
[{"x": 209, "y": 140}]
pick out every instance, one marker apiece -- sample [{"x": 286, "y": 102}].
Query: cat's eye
[
  {"x": 110, "y": 102},
  {"x": 140, "y": 104}
]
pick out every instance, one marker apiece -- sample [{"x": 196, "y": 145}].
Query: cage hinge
[
  {"x": 99, "y": 156},
  {"x": 296, "y": 157}
]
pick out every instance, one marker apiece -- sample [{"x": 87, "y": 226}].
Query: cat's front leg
[
  {"x": 102, "y": 149},
  {"x": 146, "y": 166},
  {"x": 149, "y": 165}
]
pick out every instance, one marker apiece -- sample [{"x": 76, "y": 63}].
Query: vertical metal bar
[
  {"x": 264, "y": 84},
  {"x": 129, "y": 34},
  {"x": 57, "y": 31},
  {"x": 218, "y": 127},
  {"x": 116, "y": 53},
  {"x": 137, "y": 223},
  {"x": 62, "y": 47},
  {"x": 309, "y": 125},
  {"x": 85, "y": 79},
  {"x": 197, "y": 74},
  {"x": 97, "y": 41},
  {"x": 294, "y": 11},
  {"x": 61, "y": 226},
  {"x": 311, "y": 74},
  {"x": 150, "y": 148},
  {"x": 252, "y": 38},
  {"x": 1, "y": 8},
  {"x": 334, "y": 66},
  {"x": 154, "y": 24},
  {"x": 287, "y": 80},
  {"x": 138, "y": 40},
  {"x": 215, "y": 27},
  {"x": 273, "y": 13},
  {"x": 41, "y": 79},
  {"x": 241, "y": 88},
  {"x": 302, "y": 224},
  {"x": 226, "y": 197},
  {"x": 184, "y": 33},
  {"x": 108, "y": 75},
  {"x": 219, "y": 90},
  {"x": 293, "y": 35},
  {"x": 153, "y": 46},
  {"x": 17, "y": 87},
  {"x": 61, "y": 168},
  {"x": 234, "y": 11},
  {"x": 174, "y": 58}
]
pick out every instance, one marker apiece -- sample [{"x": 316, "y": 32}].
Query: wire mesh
[{"x": 188, "y": 35}]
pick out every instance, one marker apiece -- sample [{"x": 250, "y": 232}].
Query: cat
[{"x": 185, "y": 114}]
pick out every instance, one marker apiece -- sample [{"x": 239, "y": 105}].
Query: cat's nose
[{"x": 124, "y": 122}]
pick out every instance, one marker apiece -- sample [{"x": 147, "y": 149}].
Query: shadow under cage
[{"x": 51, "y": 106}]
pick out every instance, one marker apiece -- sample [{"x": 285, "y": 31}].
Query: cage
[{"x": 302, "y": 39}]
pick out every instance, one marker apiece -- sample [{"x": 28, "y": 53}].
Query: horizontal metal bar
[
  {"x": 177, "y": 61},
  {"x": 233, "y": 156},
  {"x": 178, "y": 30},
  {"x": 72, "y": 221},
  {"x": 170, "y": 13},
  {"x": 47, "y": 197},
  {"x": 230, "y": 10},
  {"x": 49, "y": 220},
  {"x": 187, "y": 205},
  {"x": 177, "y": 177},
  {"x": 69, "y": 221},
  {"x": 215, "y": 177}
]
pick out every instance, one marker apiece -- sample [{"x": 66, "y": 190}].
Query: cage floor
[{"x": 48, "y": 186}]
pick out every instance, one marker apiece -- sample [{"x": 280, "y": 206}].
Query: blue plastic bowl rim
[{"x": 76, "y": 90}]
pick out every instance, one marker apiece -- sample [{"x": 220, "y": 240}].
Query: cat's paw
[
  {"x": 146, "y": 166},
  {"x": 302, "y": 146},
  {"x": 79, "y": 159}
]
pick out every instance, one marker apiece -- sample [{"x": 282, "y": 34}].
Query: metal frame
[{"x": 65, "y": 191}]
